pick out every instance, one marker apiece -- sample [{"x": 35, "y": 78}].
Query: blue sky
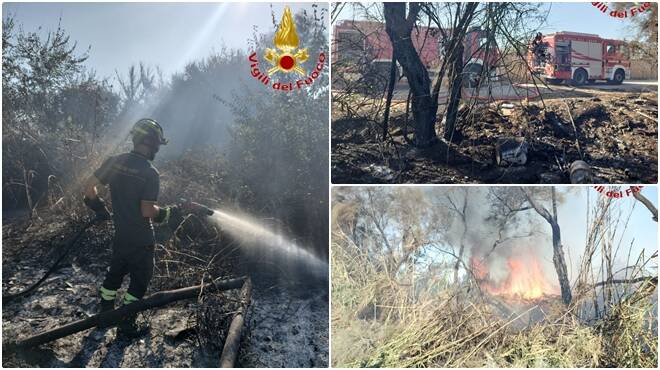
[
  {"x": 167, "y": 35},
  {"x": 584, "y": 17},
  {"x": 573, "y": 16},
  {"x": 642, "y": 231}
]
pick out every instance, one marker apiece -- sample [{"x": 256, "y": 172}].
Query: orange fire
[{"x": 525, "y": 279}]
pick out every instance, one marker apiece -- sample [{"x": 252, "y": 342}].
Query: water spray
[{"x": 253, "y": 234}]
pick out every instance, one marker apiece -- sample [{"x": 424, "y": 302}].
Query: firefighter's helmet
[{"x": 147, "y": 128}]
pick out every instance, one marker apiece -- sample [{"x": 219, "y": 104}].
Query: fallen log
[
  {"x": 109, "y": 318},
  {"x": 233, "y": 340}
]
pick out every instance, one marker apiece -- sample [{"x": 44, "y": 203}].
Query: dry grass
[
  {"x": 444, "y": 333},
  {"x": 376, "y": 323}
]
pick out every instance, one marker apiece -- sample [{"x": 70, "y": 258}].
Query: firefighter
[
  {"x": 134, "y": 187},
  {"x": 539, "y": 50}
]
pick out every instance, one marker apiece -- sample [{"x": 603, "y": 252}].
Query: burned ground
[
  {"x": 284, "y": 327},
  {"x": 231, "y": 147},
  {"x": 614, "y": 132}
]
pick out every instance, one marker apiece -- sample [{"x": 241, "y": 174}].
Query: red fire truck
[
  {"x": 580, "y": 58},
  {"x": 367, "y": 42}
]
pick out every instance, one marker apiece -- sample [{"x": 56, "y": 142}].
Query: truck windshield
[{"x": 617, "y": 49}]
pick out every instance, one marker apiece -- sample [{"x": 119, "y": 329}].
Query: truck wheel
[
  {"x": 619, "y": 76},
  {"x": 580, "y": 77}
]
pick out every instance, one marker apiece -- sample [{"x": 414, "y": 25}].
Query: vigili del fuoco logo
[{"x": 286, "y": 58}]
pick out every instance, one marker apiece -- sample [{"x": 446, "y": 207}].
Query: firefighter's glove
[
  {"x": 176, "y": 218},
  {"x": 164, "y": 214},
  {"x": 98, "y": 206}
]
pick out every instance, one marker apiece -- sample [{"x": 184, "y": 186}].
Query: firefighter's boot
[
  {"x": 106, "y": 305},
  {"x": 128, "y": 327}
]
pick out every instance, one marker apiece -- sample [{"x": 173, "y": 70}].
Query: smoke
[
  {"x": 263, "y": 148},
  {"x": 495, "y": 241}
]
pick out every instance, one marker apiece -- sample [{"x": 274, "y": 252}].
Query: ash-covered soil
[
  {"x": 284, "y": 328},
  {"x": 616, "y": 133}
]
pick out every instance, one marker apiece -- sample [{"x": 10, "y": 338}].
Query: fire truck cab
[{"x": 579, "y": 58}]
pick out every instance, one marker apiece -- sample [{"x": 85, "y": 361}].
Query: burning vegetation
[
  {"x": 525, "y": 279},
  {"x": 492, "y": 277}
]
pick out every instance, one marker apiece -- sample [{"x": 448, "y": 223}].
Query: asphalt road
[
  {"x": 506, "y": 91},
  {"x": 627, "y": 86}
]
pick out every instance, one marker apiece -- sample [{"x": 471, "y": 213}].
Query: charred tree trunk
[
  {"x": 557, "y": 248},
  {"x": 462, "y": 212},
  {"x": 233, "y": 340},
  {"x": 110, "y": 318},
  {"x": 453, "y": 44},
  {"x": 560, "y": 264},
  {"x": 461, "y": 250},
  {"x": 456, "y": 77},
  {"x": 390, "y": 93},
  {"x": 424, "y": 107}
]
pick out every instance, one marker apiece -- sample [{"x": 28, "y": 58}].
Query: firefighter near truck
[
  {"x": 579, "y": 58},
  {"x": 363, "y": 48}
]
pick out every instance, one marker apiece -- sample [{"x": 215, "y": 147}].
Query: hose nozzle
[{"x": 196, "y": 208}]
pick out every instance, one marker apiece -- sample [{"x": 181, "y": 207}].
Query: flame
[
  {"x": 525, "y": 279},
  {"x": 286, "y": 37}
]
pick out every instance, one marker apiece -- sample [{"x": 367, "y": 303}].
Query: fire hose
[
  {"x": 69, "y": 246},
  {"x": 188, "y": 205}
]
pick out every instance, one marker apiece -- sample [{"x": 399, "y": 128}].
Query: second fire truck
[{"x": 367, "y": 43}]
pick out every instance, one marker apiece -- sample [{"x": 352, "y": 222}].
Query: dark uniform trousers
[{"x": 137, "y": 262}]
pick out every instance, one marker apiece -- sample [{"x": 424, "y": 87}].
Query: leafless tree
[
  {"x": 458, "y": 205},
  {"x": 139, "y": 82},
  {"x": 557, "y": 248},
  {"x": 523, "y": 199},
  {"x": 453, "y": 21},
  {"x": 645, "y": 30}
]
